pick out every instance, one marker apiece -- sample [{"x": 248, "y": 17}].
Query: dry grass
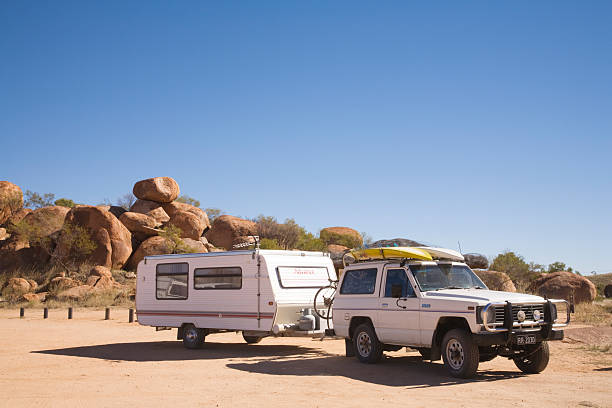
[
  {"x": 596, "y": 314},
  {"x": 43, "y": 276}
]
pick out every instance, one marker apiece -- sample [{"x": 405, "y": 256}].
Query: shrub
[
  {"x": 176, "y": 245},
  {"x": 267, "y": 243},
  {"x": 308, "y": 242},
  {"x": 65, "y": 202}
]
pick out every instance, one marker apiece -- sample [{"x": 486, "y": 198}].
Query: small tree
[
  {"x": 188, "y": 200},
  {"x": 126, "y": 201},
  {"x": 213, "y": 213},
  {"x": 308, "y": 242},
  {"x": 65, "y": 202},
  {"x": 558, "y": 266},
  {"x": 34, "y": 200},
  {"x": 515, "y": 267},
  {"x": 172, "y": 234}
]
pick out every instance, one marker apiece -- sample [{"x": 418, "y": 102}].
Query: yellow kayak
[{"x": 390, "y": 252}]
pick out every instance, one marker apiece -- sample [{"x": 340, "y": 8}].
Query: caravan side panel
[{"x": 204, "y": 302}]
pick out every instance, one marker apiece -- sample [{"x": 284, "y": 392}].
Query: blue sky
[{"x": 488, "y": 124}]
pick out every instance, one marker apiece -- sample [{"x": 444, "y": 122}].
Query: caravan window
[
  {"x": 303, "y": 276},
  {"x": 218, "y": 278},
  {"x": 171, "y": 281}
]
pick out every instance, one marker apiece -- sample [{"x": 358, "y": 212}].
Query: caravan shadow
[
  {"x": 174, "y": 351},
  {"x": 409, "y": 371}
]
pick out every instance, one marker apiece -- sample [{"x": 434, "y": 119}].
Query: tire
[
  {"x": 367, "y": 347},
  {"x": 251, "y": 339},
  {"x": 193, "y": 338},
  {"x": 536, "y": 359},
  {"x": 460, "y": 353}
]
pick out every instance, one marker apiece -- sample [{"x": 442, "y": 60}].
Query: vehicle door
[{"x": 398, "y": 319}]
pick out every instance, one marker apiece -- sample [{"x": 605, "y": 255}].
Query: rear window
[
  {"x": 303, "y": 276},
  {"x": 359, "y": 281}
]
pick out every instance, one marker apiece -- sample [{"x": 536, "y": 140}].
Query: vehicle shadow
[
  {"x": 409, "y": 371},
  {"x": 174, "y": 351}
]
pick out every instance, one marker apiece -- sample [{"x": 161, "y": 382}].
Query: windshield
[{"x": 445, "y": 276}]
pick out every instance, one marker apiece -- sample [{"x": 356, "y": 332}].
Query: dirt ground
[{"x": 90, "y": 362}]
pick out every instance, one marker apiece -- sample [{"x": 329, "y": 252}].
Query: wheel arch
[
  {"x": 356, "y": 321},
  {"x": 445, "y": 324}
]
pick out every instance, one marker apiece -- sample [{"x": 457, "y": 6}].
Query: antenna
[{"x": 459, "y": 244}]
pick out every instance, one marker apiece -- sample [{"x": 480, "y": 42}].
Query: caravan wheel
[
  {"x": 251, "y": 339},
  {"x": 193, "y": 337}
]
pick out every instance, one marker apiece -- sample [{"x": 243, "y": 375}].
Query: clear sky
[{"x": 488, "y": 123}]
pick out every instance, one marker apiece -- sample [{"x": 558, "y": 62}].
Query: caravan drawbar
[{"x": 257, "y": 292}]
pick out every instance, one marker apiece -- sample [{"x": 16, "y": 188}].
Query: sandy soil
[{"x": 90, "y": 362}]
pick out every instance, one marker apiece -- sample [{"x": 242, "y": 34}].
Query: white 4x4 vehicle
[{"x": 442, "y": 309}]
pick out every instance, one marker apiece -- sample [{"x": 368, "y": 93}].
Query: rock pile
[
  {"x": 565, "y": 285},
  {"x": 496, "y": 280}
]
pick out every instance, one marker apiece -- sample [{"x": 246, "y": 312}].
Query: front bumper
[{"x": 509, "y": 338}]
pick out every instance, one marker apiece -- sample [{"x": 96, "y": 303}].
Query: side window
[
  {"x": 397, "y": 284},
  {"x": 171, "y": 281},
  {"x": 359, "y": 281},
  {"x": 217, "y": 278}
]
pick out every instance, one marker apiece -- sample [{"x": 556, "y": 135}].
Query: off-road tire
[
  {"x": 535, "y": 360},
  {"x": 460, "y": 353},
  {"x": 193, "y": 338},
  {"x": 367, "y": 347},
  {"x": 251, "y": 339}
]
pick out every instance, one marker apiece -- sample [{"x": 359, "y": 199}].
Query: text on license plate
[{"x": 526, "y": 339}]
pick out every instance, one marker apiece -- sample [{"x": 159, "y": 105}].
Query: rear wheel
[
  {"x": 460, "y": 353},
  {"x": 535, "y": 359},
  {"x": 367, "y": 347},
  {"x": 193, "y": 338},
  {"x": 251, "y": 339}
]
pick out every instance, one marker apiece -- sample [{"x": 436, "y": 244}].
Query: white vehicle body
[
  {"x": 419, "y": 318},
  {"x": 258, "y": 292}
]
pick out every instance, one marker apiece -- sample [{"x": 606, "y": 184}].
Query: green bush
[
  {"x": 267, "y": 243},
  {"x": 176, "y": 245},
  {"x": 65, "y": 202}
]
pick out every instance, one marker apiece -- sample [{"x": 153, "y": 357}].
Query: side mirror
[{"x": 396, "y": 291}]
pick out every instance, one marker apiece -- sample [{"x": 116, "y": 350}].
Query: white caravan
[{"x": 258, "y": 292}]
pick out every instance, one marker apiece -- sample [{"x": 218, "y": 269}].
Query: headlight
[{"x": 491, "y": 315}]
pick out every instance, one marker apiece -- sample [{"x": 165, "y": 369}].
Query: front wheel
[
  {"x": 193, "y": 338},
  {"x": 535, "y": 359},
  {"x": 367, "y": 347},
  {"x": 251, "y": 339},
  {"x": 460, "y": 353}
]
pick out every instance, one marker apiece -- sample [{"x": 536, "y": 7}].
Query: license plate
[{"x": 525, "y": 339}]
